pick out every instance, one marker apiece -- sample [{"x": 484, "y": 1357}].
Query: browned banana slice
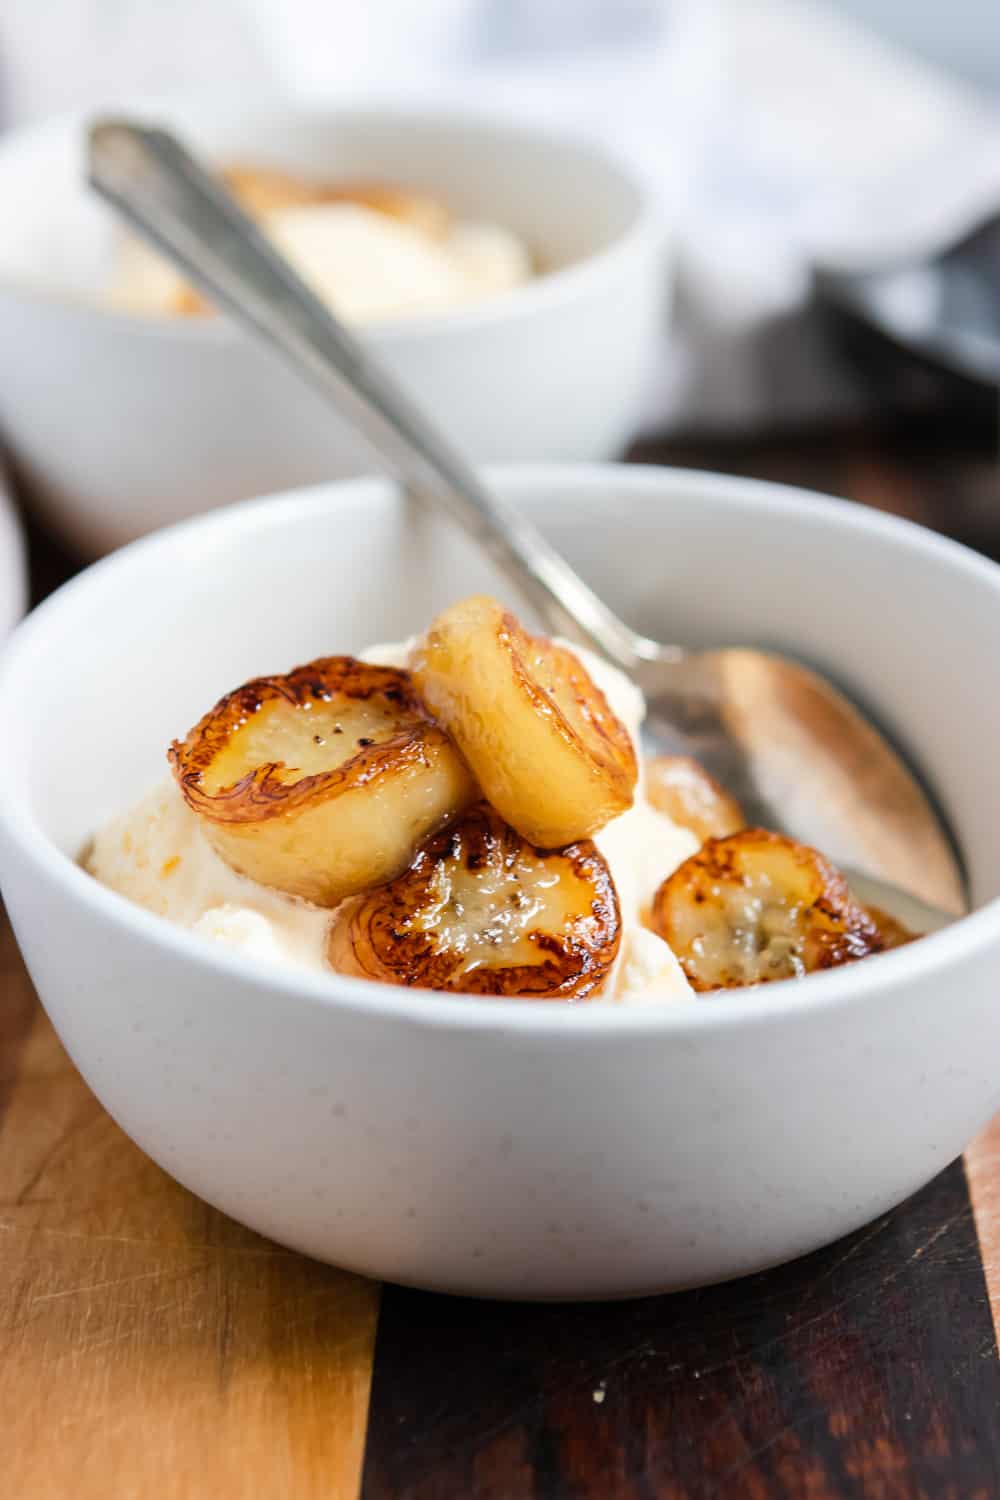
[
  {"x": 482, "y": 911},
  {"x": 266, "y": 190},
  {"x": 539, "y": 736},
  {"x": 890, "y": 929},
  {"x": 756, "y": 907},
  {"x": 422, "y": 212},
  {"x": 682, "y": 789},
  {"x": 324, "y": 782}
]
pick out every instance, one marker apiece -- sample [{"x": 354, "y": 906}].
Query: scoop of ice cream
[
  {"x": 366, "y": 265},
  {"x": 238, "y": 927},
  {"x": 650, "y": 973},
  {"x": 156, "y": 855},
  {"x": 143, "y": 282}
]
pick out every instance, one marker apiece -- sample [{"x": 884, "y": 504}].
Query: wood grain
[
  {"x": 982, "y": 1168},
  {"x": 17, "y": 1010},
  {"x": 867, "y": 1370},
  {"x": 152, "y": 1346}
]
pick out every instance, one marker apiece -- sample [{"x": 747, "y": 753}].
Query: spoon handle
[{"x": 190, "y": 217}]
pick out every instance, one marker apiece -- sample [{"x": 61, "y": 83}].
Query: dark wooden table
[{"x": 153, "y": 1347}]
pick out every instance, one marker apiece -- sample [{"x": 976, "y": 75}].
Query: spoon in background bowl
[{"x": 791, "y": 748}]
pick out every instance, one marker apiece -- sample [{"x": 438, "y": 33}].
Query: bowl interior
[
  {"x": 102, "y": 677},
  {"x": 563, "y": 197}
]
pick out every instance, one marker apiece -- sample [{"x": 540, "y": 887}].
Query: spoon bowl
[{"x": 800, "y": 758}]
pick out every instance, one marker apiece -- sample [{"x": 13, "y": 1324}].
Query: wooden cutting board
[{"x": 152, "y": 1347}]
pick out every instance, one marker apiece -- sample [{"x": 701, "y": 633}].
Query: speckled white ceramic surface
[{"x": 479, "y": 1146}]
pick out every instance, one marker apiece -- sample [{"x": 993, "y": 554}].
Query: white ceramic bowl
[
  {"x": 126, "y": 424},
  {"x": 518, "y": 1150}
]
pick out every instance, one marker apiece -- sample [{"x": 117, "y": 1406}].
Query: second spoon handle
[{"x": 191, "y": 218}]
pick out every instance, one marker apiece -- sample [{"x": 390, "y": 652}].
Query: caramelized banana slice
[
  {"x": 891, "y": 930},
  {"x": 263, "y": 192},
  {"x": 266, "y": 190},
  {"x": 540, "y": 738},
  {"x": 324, "y": 782},
  {"x": 755, "y": 907},
  {"x": 422, "y": 212},
  {"x": 482, "y": 911},
  {"x": 682, "y": 789}
]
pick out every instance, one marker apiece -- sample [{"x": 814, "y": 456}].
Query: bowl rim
[
  {"x": 644, "y": 233},
  {"x": 784, "y": 1002}
]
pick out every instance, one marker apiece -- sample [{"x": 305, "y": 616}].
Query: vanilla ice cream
[
  {"x": 366, "y": 265},
  {"x": 155, "y": 854}
]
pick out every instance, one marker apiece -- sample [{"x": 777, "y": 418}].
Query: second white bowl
[{"x": 125, "y": 424}]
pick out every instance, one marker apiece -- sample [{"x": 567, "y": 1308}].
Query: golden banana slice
[
  {"x": 263, "y": 191},
  {"x": 323, "y": 782},
  {"x": 756, "y": 907},
  {"x": 682, "y": 789},
  {"x": 266, "y": 190},
  {"x": 482, "y": 911},
  {"x": 420, "y": 211},
  {"x": 891, "y": 930},
  {"x": 539, "y": 736}
]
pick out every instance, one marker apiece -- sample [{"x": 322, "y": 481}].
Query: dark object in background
[
  {"x": 944, "y": 311},
  {"x": 925, "y": 338},
  {"x": 901, "y": 379},
  {"x": 926, "y": 333}
]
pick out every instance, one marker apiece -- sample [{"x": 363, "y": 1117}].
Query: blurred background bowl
[
  {"x": 13, "y": 566},
  {"x": 121, "y": 423}
]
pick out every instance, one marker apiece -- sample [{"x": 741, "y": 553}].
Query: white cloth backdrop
[{"x": 774, "y": 132}]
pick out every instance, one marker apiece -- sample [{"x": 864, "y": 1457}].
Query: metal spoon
[{"x": 796, "y": 753}]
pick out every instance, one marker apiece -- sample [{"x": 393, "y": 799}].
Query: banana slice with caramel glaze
[
  {"x": 538, "y": 734},
  {"x": 756, "y": 907},
  {"x": 688, "y": 795},
  {"x": 482, "y": 911},
  {"x": 323, "y": 782},
  {"x": 891, "y": 930}
]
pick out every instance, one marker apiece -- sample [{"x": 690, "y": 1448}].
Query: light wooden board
[
  {"x": 982, "y": 1170},
  {"x": 151, "y": 1346}
]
